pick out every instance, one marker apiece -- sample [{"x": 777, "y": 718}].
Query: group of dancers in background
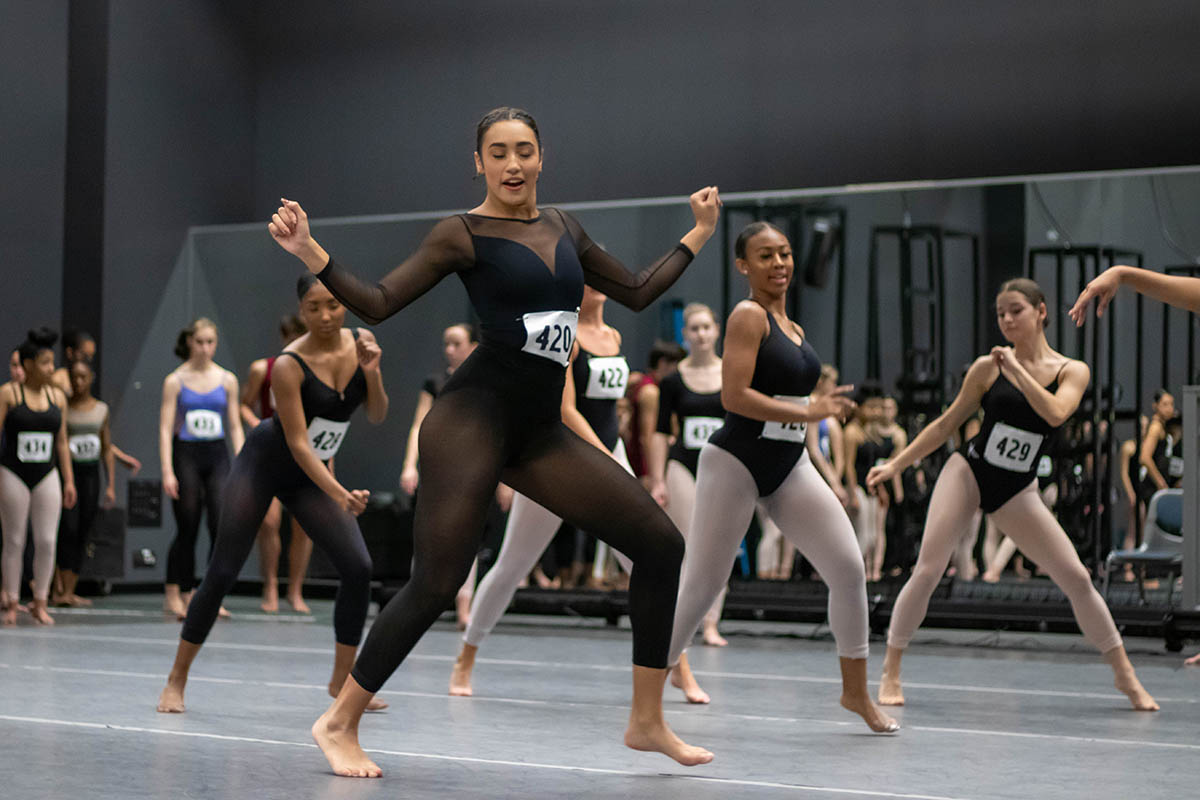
[{"x": 533, "y": 406}]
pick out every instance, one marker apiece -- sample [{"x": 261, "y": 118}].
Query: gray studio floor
[{"x": 988, "y": 717}]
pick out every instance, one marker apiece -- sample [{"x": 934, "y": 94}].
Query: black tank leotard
[
  {"x": 770, "y": 450},
  {"x": 265, "y": 469},
  {"x": 1012, "y": 438},
  {"x": 498, "y": 418},
  {"x": 29, "y": 438},
  {"x": 599, "y": 382},
  {"x": 698, "y": 416}
]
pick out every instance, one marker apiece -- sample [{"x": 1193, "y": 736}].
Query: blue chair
[{"x": 1162, "y": 543}]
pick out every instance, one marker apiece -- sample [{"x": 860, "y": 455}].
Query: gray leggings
[{"x": 811, "y": 518}]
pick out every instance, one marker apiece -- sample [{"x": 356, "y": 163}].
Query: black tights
[
  {"x": 262, "y": 471},
  {"x": 201, "y": 468},
  {"x": 475, "y": 436},
  {"x": 76, "y": 523}
]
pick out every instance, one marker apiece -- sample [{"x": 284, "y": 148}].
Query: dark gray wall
[
  {"x": 33, "y": 104},
  {"x": 370, "y": 108},
  {"x": 180, "y": 149}
]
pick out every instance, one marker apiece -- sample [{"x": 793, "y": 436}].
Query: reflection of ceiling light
[{"x": 822, "y": 243}]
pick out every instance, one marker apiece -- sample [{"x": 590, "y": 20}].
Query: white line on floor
[
  {"x": 99, "y": 726},
  {"x": 253, "y": 616},
  {"x": 709, "y": 713},
  {"x": 513, "y": 662}
]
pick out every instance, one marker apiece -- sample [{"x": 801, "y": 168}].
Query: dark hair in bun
[{"x": 36, "y": 341}]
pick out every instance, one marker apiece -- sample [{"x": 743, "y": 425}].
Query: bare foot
[
  {"x": 37, "y": 610},
  {"x": 686, "y": 682},
  {"x": 270, "y": 601},
  {"x": 175, "y": 606},
  {"x": 298, "y": 605},
  {"x": 9, "y": 615},
  {"x": 1194, "y": 661},
  {"x": 991, "y": 577},
  {"x": 656, "y": 737},
  {"x": 223, "y": 613},
  {"x": 171, "y": 699},
  {"x": 1129, "y": 684},
  {"x": 342, "y": 750},
  {"x": 77, "y": 601},
  {"x": 890, "y": 693},
  {"x": 460, "y": 677},
  {"x": 713, "y": 638},
  {"x": 875, "y": 718}
]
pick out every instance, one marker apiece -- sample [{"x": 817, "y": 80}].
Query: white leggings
[
  {"x": 18, "y": 508},
  {"x": 681, "y": 490},
  {"x": 1034, "y": 529},
  {"x": 528, "y": 533},
  {"x": 810, "y": 516}
]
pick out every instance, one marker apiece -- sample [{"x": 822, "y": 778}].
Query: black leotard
[
  {"x": 499, "y": 418},
  {"x": 599, "y": 382},
  {"x": 786, "y": 371},
  {"x": 29, "y": 438},
  {"x": 265, "y": 469},
  {"x": 698, "y": 416},
  {"x": 436, "y": 381},
  {"x": 1012, "y": 437}
]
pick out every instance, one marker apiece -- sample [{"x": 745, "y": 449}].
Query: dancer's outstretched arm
[{"x": 1176, "y": 290}]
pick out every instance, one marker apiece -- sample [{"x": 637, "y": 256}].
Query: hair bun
[{"x": 43, "y": 337}]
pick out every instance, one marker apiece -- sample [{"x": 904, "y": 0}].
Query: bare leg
[
  {"x": 648, "y": 730},
  {"x": 343, "y": 662},
  {"x": 269, "y": 548},
  {"x": 683, "y": 679},
  {"x": 299, "y": 553},
  {"x": 1004, "y": 553},
  {"x": 856, "y": 697},
  {"x": 173, "y": 602},
  {"x": 460, "y": 678},
  {"x": 881, "y": 511},
  {"x": 336, "y": 733},
  {"x": 171, "y": 699},
  {"x": 890, "y": 693}
]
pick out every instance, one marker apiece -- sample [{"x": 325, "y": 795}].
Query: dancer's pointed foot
[
  {"x": 872, "y": 714},
  {"x": 460, "y": 677},
  {"x": 683, "y": 679},
  {"x": 712, "y": 637},
  {"x": 656, "y": 737}
]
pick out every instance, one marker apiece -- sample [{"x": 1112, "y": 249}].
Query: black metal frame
[
  {"x": 1103, "y": 383},
  {"x": 934, "y": 238}
]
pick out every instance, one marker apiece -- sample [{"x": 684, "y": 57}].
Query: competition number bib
[
  {"x": 607, "y": 378},
  {"x": 787, "y": 431},
  {"x": 326, "y": 437},
  {"x": 698, "y": 430},
  {"x": 202, "y": 423},
  {"x": 550, "y": 334},
  {"x": 1045, "y": 467},
  {"x": 1175, "y": 467},
  {"x": 35, "y": 447},
  {"x": 85, "y": 447},
  {"x": 1012, "y": 448}
]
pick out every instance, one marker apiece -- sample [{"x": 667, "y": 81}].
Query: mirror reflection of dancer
[
  {"x": 1175, "y": 290},
  {"x": 499, "y": 417},
  {"x": 319, "y": 381},
  {"x": 257, "y": 404},
  {"x": 769, "y": 371},
  {"x": 199, "y": 401},
  {"x": 458, "y": 342},
  {"x": 33, "y": 417},
  {"x": 595, "y": 380},
  {"x": 1027, "y": 391}
]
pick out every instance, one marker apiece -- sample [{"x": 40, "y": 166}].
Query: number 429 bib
[
  {"x": 1012, "y": 448},
  {"x": 787, "y": 431}
]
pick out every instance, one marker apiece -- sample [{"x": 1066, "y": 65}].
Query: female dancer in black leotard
[
  {"x": 318, "y": 382},
  {"x": 768, "y": 373},
  {"x": 499, "y": 417},
  {"x": 33, "y": 418},
  {"x": 1027, "y": 391}
]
